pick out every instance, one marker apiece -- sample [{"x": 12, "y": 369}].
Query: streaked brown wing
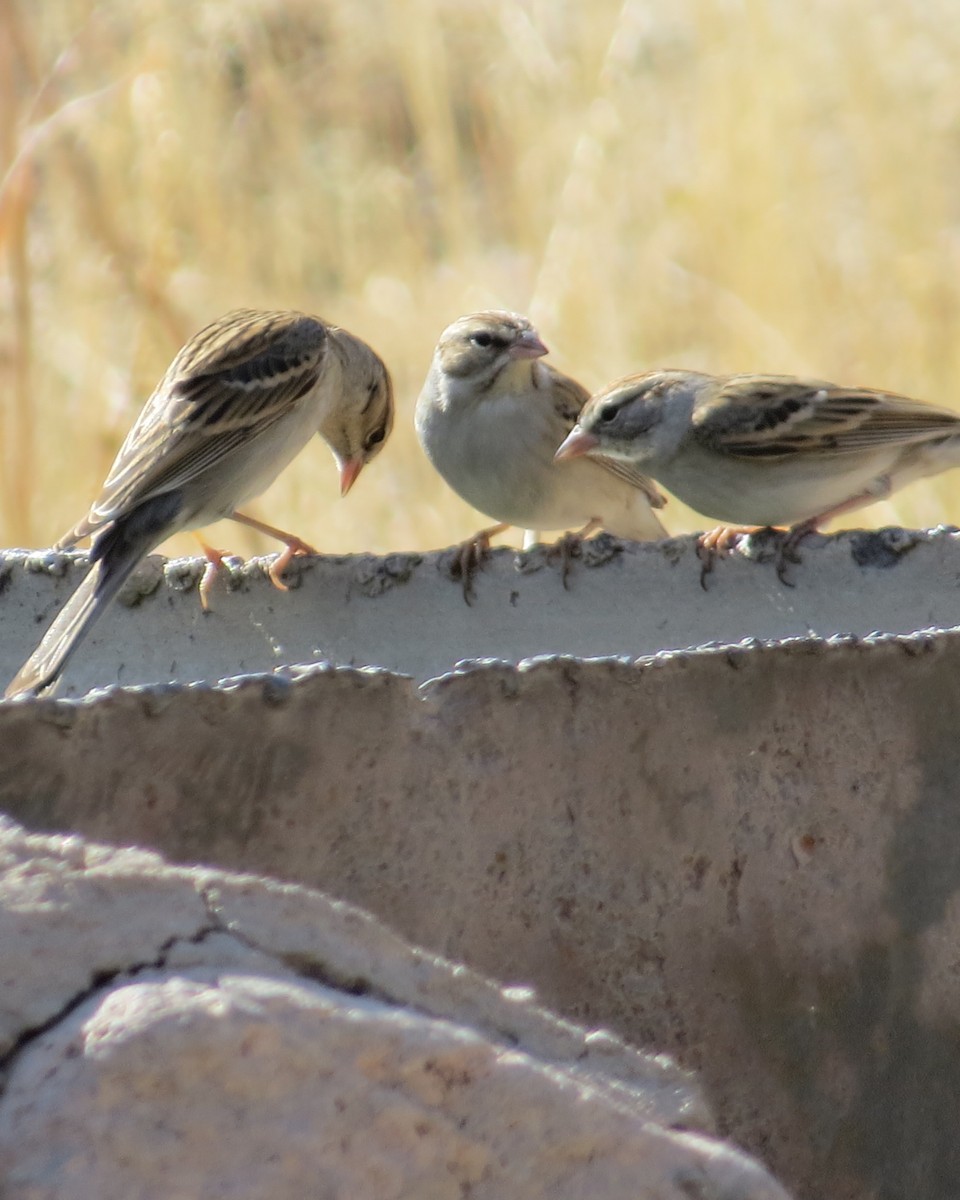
[
  {"x": 228, "y": 384},
  {"x": 633, "y": 477},
  {"x": 570, "y": 398},
  {"x": 775, "y": 416}
]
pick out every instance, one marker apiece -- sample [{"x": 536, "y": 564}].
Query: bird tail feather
[
  {"x": 115, "y": 554},
  {"x": 84, "y": 608}
]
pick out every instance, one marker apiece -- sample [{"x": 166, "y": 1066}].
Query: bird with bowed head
[{"x": 237, "y": 404}]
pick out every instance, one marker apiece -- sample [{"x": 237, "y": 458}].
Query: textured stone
[{"x": 221, "y": 1067}]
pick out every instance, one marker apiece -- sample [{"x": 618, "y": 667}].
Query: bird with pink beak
[
  {"x": 757, "y": 451},
  {"x": 490, "y": 416},
  {"x": 239, "y": 401}
]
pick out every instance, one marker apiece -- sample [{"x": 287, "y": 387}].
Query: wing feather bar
[
  {"x": 765, "y": 421},
  {"x": 228, "y": 384}
]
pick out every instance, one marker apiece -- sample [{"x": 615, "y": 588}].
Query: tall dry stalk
[{"x": 16, "y": 193}]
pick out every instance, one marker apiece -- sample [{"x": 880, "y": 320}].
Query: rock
[{"x": 172, "y": 1031}]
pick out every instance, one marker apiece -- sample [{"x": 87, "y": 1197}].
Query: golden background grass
[{"x": 768, "y": 185}]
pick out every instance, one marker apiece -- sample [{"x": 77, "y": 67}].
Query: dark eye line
[{"x": 485, "y": 340}]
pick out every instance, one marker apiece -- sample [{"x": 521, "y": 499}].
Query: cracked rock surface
[{"x": 181, "y": 1032}]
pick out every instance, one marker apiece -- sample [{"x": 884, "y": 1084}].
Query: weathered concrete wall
[{"x": 749, "y": 858}]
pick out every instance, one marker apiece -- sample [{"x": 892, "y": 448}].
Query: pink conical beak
[
  {"x": 576, "y": 444},
  {"x": 528, "y": 345},
  {"x": 350, "y": 468}
]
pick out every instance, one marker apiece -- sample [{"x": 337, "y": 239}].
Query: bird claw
[
  {"x": 210, "y": 572},
  {"x": 789, "y": 555},
  {"x": 570, "y": 546},
  {"x": 716, "y": 544},
  {"x": 469, "y": 557},
  {"x": 214, "y": 559},
  {"x": 468, "y": 560},
  {"x": 566, "y": 549},
  {"x": 295, "y": 548}
]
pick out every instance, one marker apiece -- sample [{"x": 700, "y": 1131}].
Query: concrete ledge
[
  {"x": 748, "y": 857},
  {"x": 404, "y": 613}
]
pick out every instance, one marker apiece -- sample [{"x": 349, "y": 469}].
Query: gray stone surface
[
  {"x": 404, "y": 612},
  {"x": 747, "y": 857},
  {"x": 212, "y": 1036}
]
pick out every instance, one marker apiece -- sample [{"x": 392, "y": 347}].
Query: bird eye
[
  {"x": 482, "y": 339},
  {"x": 607, "y": 413},
  {"x": 374, "y": 439}
]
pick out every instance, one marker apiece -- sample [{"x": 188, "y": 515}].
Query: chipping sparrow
[
  {"x": 762, "y": 450},
  {"x": 490, "y": 417},
  {"x": 237, "y": 404}
]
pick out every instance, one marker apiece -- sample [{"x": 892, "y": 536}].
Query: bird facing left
[{"x": 237, "y": 404}]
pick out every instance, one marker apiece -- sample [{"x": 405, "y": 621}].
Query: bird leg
[
  {"x": 718, "y": 543},
  {"x": 294, "y": 546},
  {"x": 723, "y": 539},
  {"x": 878, "y": 490},
  {"x": 470, "y": 556},
  {"x": 789, "y": 546},
  {"x": 214, "y": 563},
  {"x": 568, "y": 547}
]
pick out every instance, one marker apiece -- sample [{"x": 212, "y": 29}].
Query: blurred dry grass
[{"x": 725, "y": 184}]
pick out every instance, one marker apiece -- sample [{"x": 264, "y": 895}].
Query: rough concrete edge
[
  {"x": 372, "y": 574},
  {"x": 278, "y": 687},
  {"x": 375, "y": 574}
]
